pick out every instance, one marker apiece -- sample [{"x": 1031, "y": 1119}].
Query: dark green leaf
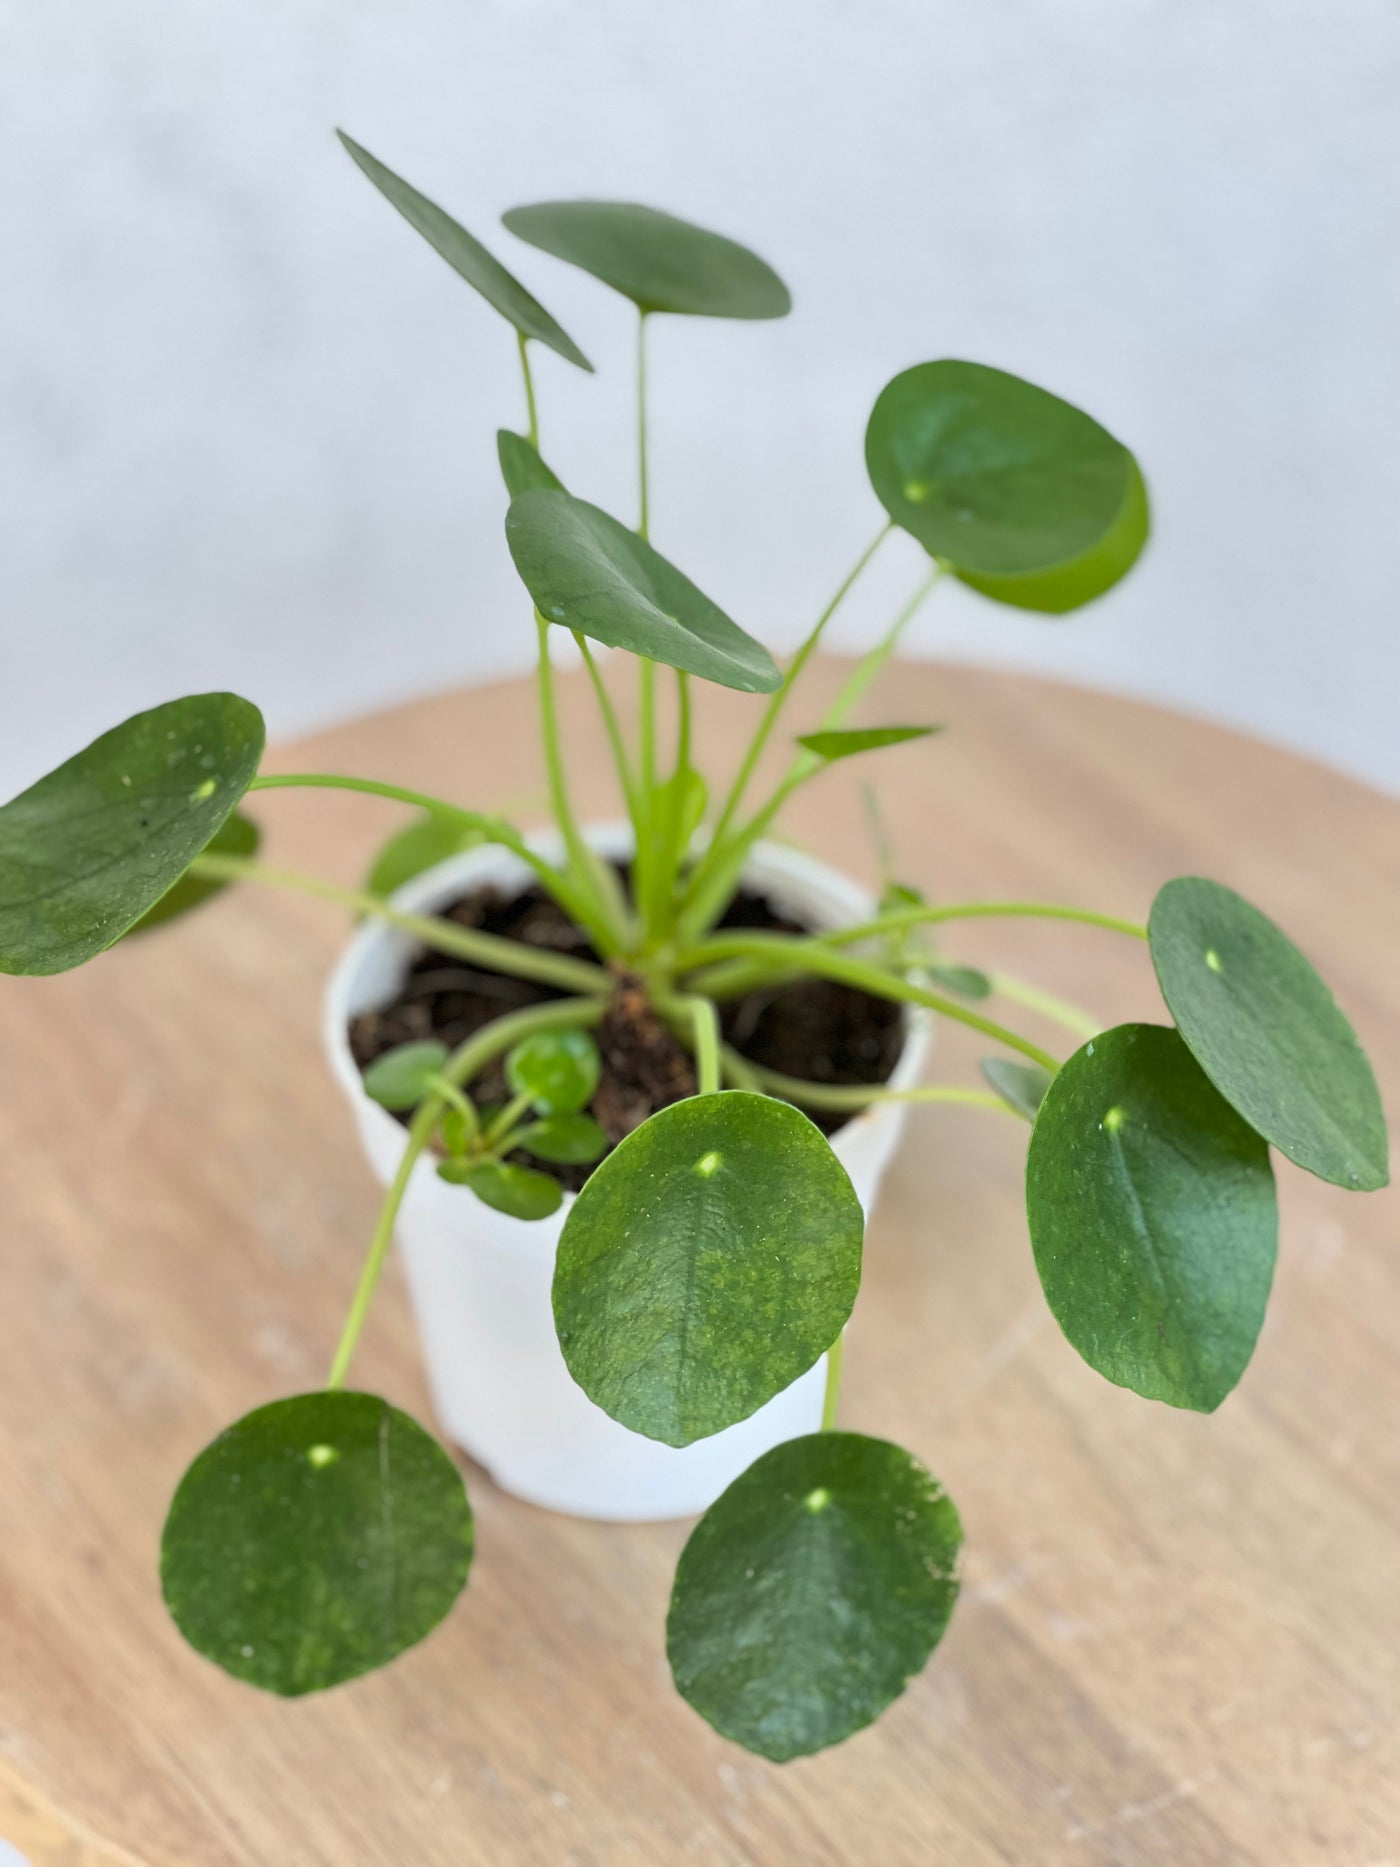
[
  {"x": 568, "y": 1140},
  {"x": 967, "y": 981},
  {"x": 522, "y": 469},
  {"x": 236, "y": 836},
  {"x": 420, "y": 846},
  {"x": 587, "y": 572},
  {"x": 708, "y": 1262},
  {"x": 403, "y": 1076},
  {"x": 811, "y": 1593},
  {"x": 834, "y": 745},
  {"x": 1151, "y": 1208},
  {"x": 1268, "y": 1033},
  {"x": 94, "y": 845},
  {"x": 467, "y": 257},
  {"x": 518, "y": 1191},
  {"x": 659, "y": 262},
  {"x": 1021, "y": 1085},
  {"x": 557, "y": 1069},
  {"x": 995, "y": 477},
  {"x": 314, "y": 1540},
  {"x": 1071, "y": 585}
]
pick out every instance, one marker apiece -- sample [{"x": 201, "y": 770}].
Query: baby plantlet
[{"x": 713, "y": 1255}]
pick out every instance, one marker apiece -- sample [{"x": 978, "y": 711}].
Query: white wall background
[{"x": 246, "y": 417}]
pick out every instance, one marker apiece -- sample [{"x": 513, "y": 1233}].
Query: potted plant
[{"x": 618, "y": 1202}]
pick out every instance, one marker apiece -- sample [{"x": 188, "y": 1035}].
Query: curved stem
[
  {"x": 856, "y": 1096},
  {"x": 705, "y": 1025},
  {"x": 899, "y": 918},
  {"x": 485, "y": 1045},
  {"x": 1080, "y": 1023},
  {"x": 834, "y": 1356},
  {"x": 482, "y": 949}
]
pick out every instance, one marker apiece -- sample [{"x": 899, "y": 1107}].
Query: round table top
[{"x": 1178, "y": 1642}]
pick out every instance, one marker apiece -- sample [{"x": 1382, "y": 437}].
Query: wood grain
[{"x": 1179, "y": 1640}]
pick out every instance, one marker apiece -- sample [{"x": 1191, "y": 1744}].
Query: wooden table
[{"x": 1178, "y": 1643}]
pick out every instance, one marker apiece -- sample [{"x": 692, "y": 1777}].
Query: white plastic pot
[{"x": 480, "y": 1281}]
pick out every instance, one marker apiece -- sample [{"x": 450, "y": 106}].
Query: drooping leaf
[
  {"x": 95, "y": 844},
  {"x": 1079, "y": 581},
  {"x": 1152, "y": 1217},
  {"x": 844, "y": 744},
  {"x": 467, "y": 256},
  {"x": 522, "y": 468},
  {"x": 400, "y": 1078},
  {"x": 1021, "y": 1085},
  {"x": 1268, "y": 1033},
  {"x": 431, "y": 838},
  {"x": 966, "y": 981},
  {"x": 558, "y": 1070},
  {"x": 236, "y": 836},
  {"x": 709, "y": 1260},
  {"x": 314, "y": 1540},
  {"x": 997, "y": 478},
  {"x": 659, "y": 262},
  {"x": 811, "y": 1593},
  {"x": 567, "y": 1140},
  {"x": 519, "y": 1192},
  {"x": 587, "y": 572}
]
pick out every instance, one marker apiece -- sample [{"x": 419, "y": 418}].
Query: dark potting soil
[{"x": 815, "y": 1029}]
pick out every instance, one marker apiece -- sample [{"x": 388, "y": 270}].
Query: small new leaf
[
  {"x": 314, "y": 1540},
  {"x": 844, "y": 744},
  {"x": 519, "y": 1192},
  {"x": 558, "y": 1070},
  {"x": 467, "y": 256},
  {"x": 708, "y": 1261},
  {"x": 567, "y": 1140},
  {"x": 811, "y": 1593},
  {"x": 1268, "y": 1033},
  {"x": 587, "y": 572},
  {"x": 403, "y": 1076},
  {"x": 659, "y": 262},
  {"x": 87, "y": 851},
  {"x": 1152, "y": 1217}
]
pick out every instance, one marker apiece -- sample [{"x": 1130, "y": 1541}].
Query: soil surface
[{"x": 815, "y": 1029}]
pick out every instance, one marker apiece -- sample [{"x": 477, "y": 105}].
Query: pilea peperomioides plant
[{"x": 714, "y": 1254}]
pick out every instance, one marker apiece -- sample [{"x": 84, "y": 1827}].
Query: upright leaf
[
  {"x": 659, "y": 262},
  {"x": 1005, "y": 483},
  {"x": 1151, "y": 1209},
  {"x": 467, "y": 256},
  {"x": 587, "y": 572},
  {"x": 1268, "y": 1033},
  {"x": 93, "y": 846},
  {"x": 236, "y": 836},
  {"x": 811, "y": 1593},
  {"x": 708, "y": 1261},
  {"x": 314, "y": 1540},
  {"x": 522, "y": 468},
  {"x": 846, "y": 742}
]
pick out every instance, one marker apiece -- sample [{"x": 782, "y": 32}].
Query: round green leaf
[
  {"x": 990, "y": 474},
  {"x": 1152, "y": 1217},
  {"x": 558, "y": 1070},
  {"x": 709, "y": 1260},
  {"x": 420, "y": 846},
  {"x": 568, "y": 1140},
  {"x": 522, "y": 469},
  {"x": 1073, "y": 584},
  {"x": 587, "y": 572},
  {"x": 834, "y": 745},
  {"x": 1021, "y": 1085},
  {"x": 400, "y": 1078},
  {"x": 1268, "y": 1033},
  {"x": 659, "y": 262},
  {"x": 467, "y": 256},
  {"x": 94, "y": 845},
  {"x": 519, "y": 1192},
  {"x": 314, "y": 1540},
  {"x": 236, "y": 836},
  {"x": 812, "y": 1592}
]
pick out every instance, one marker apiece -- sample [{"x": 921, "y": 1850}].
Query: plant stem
[
  {"x": 1070, "y": 1017},
  {"x": 899, "y": 918},
  {"x": 856, "y": 1096},
  {"x": 589, "y": 874},
  {"x": 834, "y": 1357},
  {"x": 561, "y": 1014},
  {"x": 482, "y": 949},
  {"x": 508, "y": 1117},
  {"x": 813, "y": 956},
  {"x": 643, "y": 520},
  {"x": 610, "y": 725},
  {"x": 420, "y": 1132},
  {"x": 462, "y": 1103},
  {"x": 529, "y": 390},
  {"x": 872, "y": 662}
]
